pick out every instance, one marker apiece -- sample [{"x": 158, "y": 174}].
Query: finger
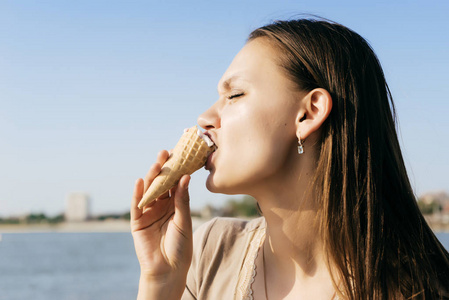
[
  {"x": 162, "y": 156},
  {"x": 151, "y": 174},
  {"x": 156, "y": 201},
  {"x": 164, "y": 196},
  {"x": 182, "y": 205},
  {"x": 161, "y": 198},
  {"x": 168, "y": 194},
  {"x": 137, "y": 195},
  {"x": 158, "y": 213},
  {"x": 155, "y": 169}
]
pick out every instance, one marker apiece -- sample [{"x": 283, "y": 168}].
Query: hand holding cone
[{"x": 189, "y": 155}]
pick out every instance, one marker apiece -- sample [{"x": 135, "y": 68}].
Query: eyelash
[{"x": 235, "y": 96}]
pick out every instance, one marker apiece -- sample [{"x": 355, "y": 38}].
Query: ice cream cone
[{"x": 189, "y": 155}]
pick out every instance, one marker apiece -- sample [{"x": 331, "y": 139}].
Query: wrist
[{"x": 168, "y": 287}]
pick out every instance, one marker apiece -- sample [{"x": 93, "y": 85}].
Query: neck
[
  {"x": 293, "y": 237},
  {"x": 293, "y": 242}
]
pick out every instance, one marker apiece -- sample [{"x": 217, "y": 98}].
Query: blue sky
[{"x": 90, "y": 91}]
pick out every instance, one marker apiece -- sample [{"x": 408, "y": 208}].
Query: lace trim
[{"x": 248, "y": 273}]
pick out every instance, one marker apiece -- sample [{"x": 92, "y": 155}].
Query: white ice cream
[{"x": 205, "y": 138}]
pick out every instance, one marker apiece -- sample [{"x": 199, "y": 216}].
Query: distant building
[
  {"x": 77, "y": 207},
  {"x": 440, "y": 198}
]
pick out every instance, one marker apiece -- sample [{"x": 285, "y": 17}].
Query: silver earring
[{"x": 300, "y": 147}]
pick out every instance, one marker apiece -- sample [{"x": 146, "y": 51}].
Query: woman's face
[{"x": 252, "y": 123}]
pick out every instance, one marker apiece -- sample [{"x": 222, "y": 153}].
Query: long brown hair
[{"x": 374, "y": 233}]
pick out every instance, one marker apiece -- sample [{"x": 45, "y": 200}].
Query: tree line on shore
[
  {"x": 42, "y": 218},
  {"x": 234, "y": 207},
  {"x": 245, "y": 206}
]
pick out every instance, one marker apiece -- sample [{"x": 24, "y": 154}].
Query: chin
[
  {"x": 211, "y": 184},
  {"x": 227, "y": 187}
]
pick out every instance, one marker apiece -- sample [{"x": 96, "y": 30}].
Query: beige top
[{"x": 224, "y": 252}]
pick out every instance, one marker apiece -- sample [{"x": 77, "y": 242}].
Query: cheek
[
  {"x": 245, "y": 132},
  {"x": 247, "y": 164},
  {"x": 251, "y": 153},
  {"x": 254, "y": 143}
]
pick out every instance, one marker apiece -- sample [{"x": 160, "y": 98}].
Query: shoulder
[
  {"x": 224, "y": 235},
  {"x": 219, "y": 249},
  {"x": 222, "y": 229}
]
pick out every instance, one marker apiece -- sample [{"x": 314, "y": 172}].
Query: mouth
[
  {"x": 208, "y": 165},
  {"x": 208, "y": 134}
]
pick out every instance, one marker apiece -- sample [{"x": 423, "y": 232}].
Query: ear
[{"x": 315, "y": 108}]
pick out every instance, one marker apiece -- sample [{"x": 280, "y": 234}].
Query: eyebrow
[{"x": 226, "y": 84}]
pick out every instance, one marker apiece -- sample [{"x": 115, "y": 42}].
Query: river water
[
  {"x": 73, "y": 266},
  {"x": 68, "y": 266}
]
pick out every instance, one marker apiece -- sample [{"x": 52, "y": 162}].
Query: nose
[{"x": 210, "y": 119}]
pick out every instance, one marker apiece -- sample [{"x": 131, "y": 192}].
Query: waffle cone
[{"x": 189, "y": 155}]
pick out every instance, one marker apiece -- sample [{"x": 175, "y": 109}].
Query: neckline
[{"x": 248, "y": 271}]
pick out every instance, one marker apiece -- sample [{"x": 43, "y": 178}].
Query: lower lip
[{"x": 209, "y": 161}]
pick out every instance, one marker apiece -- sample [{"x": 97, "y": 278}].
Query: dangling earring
[{"x": 300, "y": 147}]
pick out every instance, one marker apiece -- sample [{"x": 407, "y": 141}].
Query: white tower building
[{"x": 77, "y": 207}]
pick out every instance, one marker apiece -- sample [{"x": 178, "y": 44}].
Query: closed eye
[{"x": 235, "y": 96}]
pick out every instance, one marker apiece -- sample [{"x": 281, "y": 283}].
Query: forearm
[{"x": 167, "y": 288}]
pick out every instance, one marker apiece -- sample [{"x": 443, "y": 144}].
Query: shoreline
[
  {"x": 78, "y": 227},
  {"x": 124, "y": 226},
  {"x": 88, "y": 226}
]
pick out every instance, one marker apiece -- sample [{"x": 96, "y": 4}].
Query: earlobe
[{"x": 316, "y": 107}]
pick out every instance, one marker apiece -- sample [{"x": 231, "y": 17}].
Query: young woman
[{"x": 305, "y": 124}]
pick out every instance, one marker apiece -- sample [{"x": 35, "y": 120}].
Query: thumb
[{"x": 182, "y": 216}]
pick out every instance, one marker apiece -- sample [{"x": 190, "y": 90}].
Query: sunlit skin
[
  {"x": 257, "y": 133},
  {"x": 162, "y": 237},
  {"x": 255, "y": 123},
  {"x": 252, "y": 124}
]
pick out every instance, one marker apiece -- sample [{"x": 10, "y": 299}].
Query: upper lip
[{"x": 211, "y": 136}]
